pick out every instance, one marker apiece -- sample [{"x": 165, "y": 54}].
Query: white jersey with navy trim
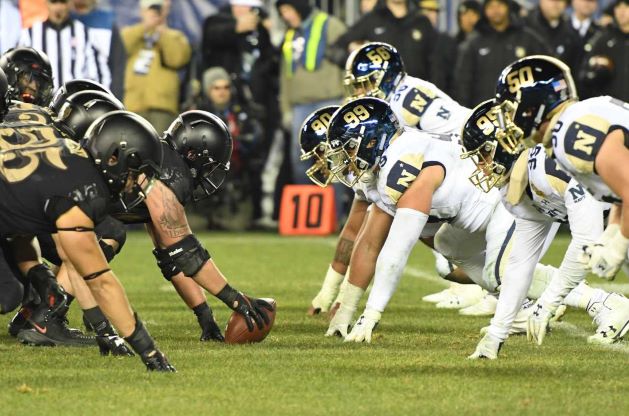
[
  {"x": 68, "y": 48},
  {"x": 421, "y": 105},
  {"x": 577, "y": 136},
  {"x": 456, "y": 200}
]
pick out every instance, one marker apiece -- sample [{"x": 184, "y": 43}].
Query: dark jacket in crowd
[
  {"x": 413, "y": 36},
  {"x": 564, "y": 42},
  {"x": 613, "y": 44},
  {"x": 486, "y": 52},
  {"x": 249, "y": 57},
  {"x": 443, "y": 63}
]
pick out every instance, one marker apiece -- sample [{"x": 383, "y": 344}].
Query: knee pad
[
  {"x": 111, "y": 229},
  {"x": 188, "y": 255},
  {"x": 165, "y": 264},
  {"x": 108, "y": 250}
]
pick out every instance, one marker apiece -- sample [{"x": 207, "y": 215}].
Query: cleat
[
  {"x": 462, "y": 296},
  {"x": 48, "y": 330},
  {"x": 438, "y": 297},
  {"x": 612, "y": 319},
  {"x": 20, "y": 321},
  {"x": 486, "y": 307}
]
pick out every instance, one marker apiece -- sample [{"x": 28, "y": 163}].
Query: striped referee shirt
[{"x": 68, "y": 48}]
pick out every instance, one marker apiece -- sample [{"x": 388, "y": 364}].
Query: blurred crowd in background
[{"x": 264, "y": 65}]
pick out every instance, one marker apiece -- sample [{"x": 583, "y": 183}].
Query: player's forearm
[
  {"x": 210, "y": 278},
  {"x": 404, "y": 233}
]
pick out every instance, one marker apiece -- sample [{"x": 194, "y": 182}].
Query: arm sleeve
[
  {"x": 585, "y": 216},
  {"x": 528, "y": 241},
  {"x": 404, "y": 233}
]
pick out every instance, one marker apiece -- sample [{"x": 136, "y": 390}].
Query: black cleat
[
  {"x": 155, "y": 360},
  {"x": 48, "y": 330},
  {"x": 20, "y": 321}
]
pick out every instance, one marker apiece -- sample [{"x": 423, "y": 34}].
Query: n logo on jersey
[
  {"x": 583, "y": 139},
  {"x": 402, "y": 175},
  {"x": 577, "y": 192}
]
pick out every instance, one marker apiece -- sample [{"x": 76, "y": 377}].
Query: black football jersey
[
  {"x": 175, "y": 174},
  {"x": 19, "y": 111},
  {"x": 42, "y": 176}
]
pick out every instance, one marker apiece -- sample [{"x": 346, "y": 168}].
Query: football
[{"x": 237, "y": 332}]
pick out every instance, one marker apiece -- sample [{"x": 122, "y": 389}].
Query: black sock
[{"x": 98, "y": 321}]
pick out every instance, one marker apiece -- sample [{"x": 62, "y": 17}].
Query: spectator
[
  {"x": 237, "y": 39},
  {"x": 468, "y": 14},
  {"x": 550, "y": 23},
  {"x": 244, "y": 174},
  {"x": 154, "y": 54},
  {"x": 497, "y": 40},
  {"x": 366, "y": 6},
  {"x": 65, "y": 41},
  {"x": 582, "y": 19},
  {"x": 606, "y": 66},
  {"x": 444, "y": 51},
  {"x": 10, "y": 25},
  {"x": 104, "y": 37},
  {"x": 395, "y": 22},
  {"x": 307, "y": 81}
]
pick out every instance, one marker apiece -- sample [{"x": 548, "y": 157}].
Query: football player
[
  {"x": 57, "y": 188},
  {"x": 29, "y": 74},
  {"x": 376, "y": 69},
  {"x": 539, "y": 104},
  {"x": 539, "y": 194},
  {"x": 421, "y": 188},
  {"x": 197, "y": 148}
]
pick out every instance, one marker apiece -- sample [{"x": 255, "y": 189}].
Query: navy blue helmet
[
  {"x": 373, "y": 70},
  {"x": 313, "y": 144},
  {"x": 493, "y": 162},
  {"x": 528, "y": 91},
  {"x": 358, "y": 134}
]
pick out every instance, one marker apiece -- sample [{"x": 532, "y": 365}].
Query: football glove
[
  {"x": 252, "y": 309},
  {"x": 113, "y": 344},
  {"x": 339, "y": 325},
  {"x": 488, "y": 347},
  {"x": 365, "y": 325},
  {"x": 210, "y": 330},
  {"x": 538, "y": 322},
  {"x": 605, "y": 257}
]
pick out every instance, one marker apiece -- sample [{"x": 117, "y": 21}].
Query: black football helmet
[
  {"x": 358, "y": 134},
  {"x": 527, "y": 93},
  {"x": 125, "y": 146},
  {"x": 493, "y": 162},
  {"x": 205, "y": 144},
  {"x": 5, "y": 100},
  {"x": 81, "y": 109},
  {"x": 373, "y": 70},
  {"x": 313, "y": 144},
  {"x": 71, "y": 87},
  {"x": 29, "y": 75}
]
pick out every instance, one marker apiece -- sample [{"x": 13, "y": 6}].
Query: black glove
[
  {"x": 251, "y": 309},
  {"x": 210, "y": 330},
  {"x": 155, "y": 360},
  {"x": 113, "y": 344}
]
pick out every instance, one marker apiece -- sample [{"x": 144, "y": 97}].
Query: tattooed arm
[
  {"x": 169, "y": 222},
  {"x": 348, "y": 235}
]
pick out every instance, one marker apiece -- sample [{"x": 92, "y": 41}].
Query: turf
[{"x": 416, "y": 364}]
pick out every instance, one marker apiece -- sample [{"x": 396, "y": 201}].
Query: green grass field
[{"x": 416, "y": 364}]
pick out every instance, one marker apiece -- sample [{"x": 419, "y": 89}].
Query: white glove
[
  {"x": 327, "y": 294},
  {"x": 605, "y": 257},
  {"x": 537, "y": 325},
  {"x": 339, "y": 325},
  {"x": 365, "y": 325},
  {"x": 488, "y": 347}
]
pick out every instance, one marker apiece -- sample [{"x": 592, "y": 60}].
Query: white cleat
[
  {"x": 611, "y": 317},
  {"x": 438, "y": 297},
  {"x": 462, "y": 297},
  {"x": 486, "y": 307}
]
